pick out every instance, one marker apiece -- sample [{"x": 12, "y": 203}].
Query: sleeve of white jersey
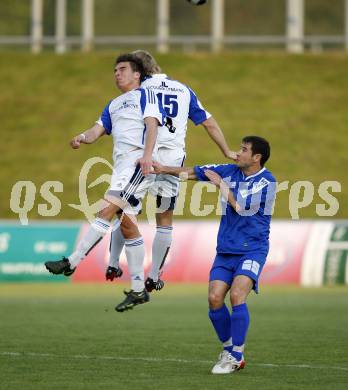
[{"x": 151, "y": 106}]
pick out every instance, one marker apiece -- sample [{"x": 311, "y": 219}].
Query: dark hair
[
  {"x": 135, "y": 63},
  {"x": 259, "y": 145}
]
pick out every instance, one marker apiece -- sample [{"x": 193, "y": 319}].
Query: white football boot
[{"x": 227, "y": 364}]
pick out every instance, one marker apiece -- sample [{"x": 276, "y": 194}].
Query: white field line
[{"x": 158, "y": 360}]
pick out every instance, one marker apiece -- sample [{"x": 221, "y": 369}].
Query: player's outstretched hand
[
  {"x": 157, "y": 167},
  {"x": 77, "y": 141},
  {"x": 213, "y": 177},
  {"x": 231, "y": 155}
]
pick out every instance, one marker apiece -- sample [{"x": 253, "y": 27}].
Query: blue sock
[
  {"x": 221, "y": 321},
  {"x": 239, "y": 328}
]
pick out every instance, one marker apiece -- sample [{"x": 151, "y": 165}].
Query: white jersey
[
  {"x": 124, "y": 116},
  {"x": 180, "y": 104}
]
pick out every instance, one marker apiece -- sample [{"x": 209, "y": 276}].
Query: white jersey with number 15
[{"x": 180, "y": 103}]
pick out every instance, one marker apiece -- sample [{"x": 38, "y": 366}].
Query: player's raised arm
[
  {"x": 153, "y": 116},
  {"x": 185, "y": 173},
  {"x": 88, "y": 137},
  {"x": 216, "y": 134},
  {"x": 200, "y": 116}
]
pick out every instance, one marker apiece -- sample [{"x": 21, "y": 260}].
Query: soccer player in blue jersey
[
  {"x": 248, "y": 191},
  {"x": 132, "y": 119},
  {"x": 180, "y": 104}
]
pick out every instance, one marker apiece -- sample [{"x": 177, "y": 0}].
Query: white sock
[
  {"x": 160, "y": 249},
  {"x": 135, "y": 252},
  {"x": 95, "y": 233},
  {"x": 116, "y": 245}
]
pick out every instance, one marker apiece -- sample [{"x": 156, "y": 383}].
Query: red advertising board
[{"x": 193, "y": 251}]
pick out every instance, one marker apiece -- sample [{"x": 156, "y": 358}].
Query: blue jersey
[{"x": 247, "y": 230}]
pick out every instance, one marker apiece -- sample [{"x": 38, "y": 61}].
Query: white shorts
[
  {"x": 128, "y": 182},
  {"x": 167, "y": 186}
]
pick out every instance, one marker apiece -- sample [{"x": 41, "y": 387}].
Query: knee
[
  {"x": 164, "y": 218},
  {"x": 107, "y": 213},
  {"x": 127, "y": 231},
  {"x": 128, "y": 228},
  {"x": 237, "y": 297},
  {"x": 215, "y": 300}
]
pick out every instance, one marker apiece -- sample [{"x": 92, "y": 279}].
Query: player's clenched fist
[
  {"x": 145, "y": 165},
  {"x": 77, "y": 141},
  {"x": 157, "y": 167}
]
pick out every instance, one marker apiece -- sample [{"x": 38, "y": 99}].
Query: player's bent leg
[
  {"x": 128, "y": 185},
  {"x": 216, "y": 293},
  {"x": 221, "y": 277},
  {"x": 94, "y": 235},
  {"x": 219, "y": 316},
  {"x": 129, "y": 227},
  {"x": 240, "y": 289},
  {"x": 125, "y": 225},
  {"x": 164, "y": 218}
]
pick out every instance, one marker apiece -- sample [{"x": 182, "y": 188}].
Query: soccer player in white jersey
[
  {"x": 248, "y": 192},
  {"x": 180, "y": 104},
  {"x": 132, "y": 119}
]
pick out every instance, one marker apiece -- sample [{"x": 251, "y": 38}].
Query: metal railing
[
  {"x": 293, "y": 40},
  {"x": 178, "y": 40}
]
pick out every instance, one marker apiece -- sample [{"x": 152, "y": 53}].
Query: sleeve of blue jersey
[
  {"x": 223, "y": 170},
  {"x": 197, "y": 114},
  {"x": 106, "y": 119}
]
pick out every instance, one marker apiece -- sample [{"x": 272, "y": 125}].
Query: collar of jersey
[
  {"x": 161, "y": 75},
  {"x": 255, "y": 174}
]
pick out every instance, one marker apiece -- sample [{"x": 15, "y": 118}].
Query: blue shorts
[{"x": 227, "y": 266}]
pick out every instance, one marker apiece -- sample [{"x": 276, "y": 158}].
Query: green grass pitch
[{"x": 56, "y": 336}]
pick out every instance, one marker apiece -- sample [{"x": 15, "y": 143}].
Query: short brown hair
[{"x": 149, "y": 63}]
